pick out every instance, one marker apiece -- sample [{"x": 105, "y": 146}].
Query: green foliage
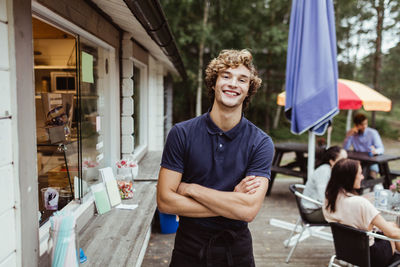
[
  {"x": 263, "y": 26},
  {"x": 258, "y": 25},
  {"x": 390, "y": 80}
]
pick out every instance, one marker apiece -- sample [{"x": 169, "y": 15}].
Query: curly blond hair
[{"x": 231, "y": 58}]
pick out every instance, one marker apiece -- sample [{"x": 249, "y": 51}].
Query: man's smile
[{"x": 230, "y": 93}]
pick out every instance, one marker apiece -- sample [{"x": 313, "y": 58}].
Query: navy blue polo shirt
[{"x": 210, "y": 157}]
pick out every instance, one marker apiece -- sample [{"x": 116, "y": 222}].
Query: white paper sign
[{"x": 98, "y": 126}]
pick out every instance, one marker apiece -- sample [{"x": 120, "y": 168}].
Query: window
[
  {"x": 140, "y": 115},
  {"x": 92, "y": 113},
  {"x": 56, "y": 121},
  {"x": 73, "y": 115}
]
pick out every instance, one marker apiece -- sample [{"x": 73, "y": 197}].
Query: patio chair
[
  {"x": 302, "y": 221},
  {"x": 352, "y": 246}
]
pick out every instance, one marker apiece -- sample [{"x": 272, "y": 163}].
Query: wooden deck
[{"x": 267, "y": 240}]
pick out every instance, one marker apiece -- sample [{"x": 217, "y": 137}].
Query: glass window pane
[
  {"x": 56, "y": 121},
  {"x": 91, "y": 110}
]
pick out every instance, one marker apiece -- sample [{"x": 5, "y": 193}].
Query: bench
[{"x": 289, "y": 172}]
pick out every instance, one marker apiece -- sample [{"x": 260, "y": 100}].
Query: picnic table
[
  {"x": 297, "y": 167},
  {"x": 389, "y": 211},
  {"x": 386, "y": 175}
]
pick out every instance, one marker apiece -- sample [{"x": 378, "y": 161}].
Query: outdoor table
[
  {"x": 387, "y": 212},
  {"x": 297, "y": 168},
  {"x": 383, "y": 163}
]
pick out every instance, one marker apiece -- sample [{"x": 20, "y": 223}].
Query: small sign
[
  {"x": 87, "y": 68},
  {"x": 98, "y": 125},
  {"x": 99, "y": 157}
]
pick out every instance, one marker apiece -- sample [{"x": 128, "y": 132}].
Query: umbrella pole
[
  {"x": 348, "y": 121},
  {"x": 329, "y": 136},
  {"x": 311, "y": 154}
]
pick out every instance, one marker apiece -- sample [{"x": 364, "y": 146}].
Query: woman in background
[
  {"x": 345, "y": 206},
  {"x": 316, "y": 185}
]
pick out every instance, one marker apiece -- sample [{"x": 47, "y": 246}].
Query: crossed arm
[{"x": 193, "y": 200}]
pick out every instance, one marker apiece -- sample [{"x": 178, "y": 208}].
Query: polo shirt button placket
[{"x": 220, "y": 147}]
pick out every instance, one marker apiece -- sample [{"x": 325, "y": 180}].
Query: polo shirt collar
[{"x": 214, "y": 129}]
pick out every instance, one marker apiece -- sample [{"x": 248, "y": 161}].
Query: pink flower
[{"x": 126, "y": 163}]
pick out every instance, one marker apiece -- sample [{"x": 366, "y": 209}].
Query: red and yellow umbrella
[{"x": 354, "y": 95}]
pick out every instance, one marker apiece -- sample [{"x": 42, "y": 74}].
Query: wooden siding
[
  {"x": 24, "y": 144},
  {"x": 156, "y": 108},
  {"x": 140, "y": 54},
  {"x": 78, "y": 12}
]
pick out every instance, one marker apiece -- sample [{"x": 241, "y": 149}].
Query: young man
[
  {"x": 364, "y": 139},
  {"x": 215, "y": 170}
]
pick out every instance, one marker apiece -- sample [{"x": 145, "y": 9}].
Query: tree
[
  {"x": 258, "y": 25},
  {"x": 349, "y": 29},
  {"x": 201, "y": 55},
  {"x": 262, "y": 26}
]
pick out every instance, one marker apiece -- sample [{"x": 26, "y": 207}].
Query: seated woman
[
  {"x": 316, "y": 185},
  {"x": 343, "y": 205}
]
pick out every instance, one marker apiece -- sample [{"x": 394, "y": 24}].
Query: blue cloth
[
  {"x": 363, "y": 142},
  {"x": 207, "y": 156},
  {"x": 311, "y": 68}
]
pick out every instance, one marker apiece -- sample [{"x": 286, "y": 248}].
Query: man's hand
[
  {"x": 352, "y": 131},
  {"x": 248, "y": 185},
  {"x": 236, "y": 205},
  {"x": 182, "y": 189}
]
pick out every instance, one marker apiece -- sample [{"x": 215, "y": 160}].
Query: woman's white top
[{"x": 316, "y": 186}]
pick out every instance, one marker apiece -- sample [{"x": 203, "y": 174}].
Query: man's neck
[{"x": 225, "y": 118}]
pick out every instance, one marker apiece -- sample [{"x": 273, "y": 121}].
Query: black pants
[
  {"x": 197, "y": 246},
  {"x": 316, "y": 216},
  {"x": 381, "y": 253}
]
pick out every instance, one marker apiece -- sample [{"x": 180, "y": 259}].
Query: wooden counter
[{"x": 120, "y": 237}]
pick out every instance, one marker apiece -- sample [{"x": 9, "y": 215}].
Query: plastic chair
[
  {"x": 352, "y": 245},
  {"x": 302, "y": 221}
]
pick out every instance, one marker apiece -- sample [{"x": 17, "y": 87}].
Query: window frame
[{"x": 141, "y": 150}]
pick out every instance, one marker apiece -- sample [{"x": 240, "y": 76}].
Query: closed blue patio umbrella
[{"x": 311, "y": 70}]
